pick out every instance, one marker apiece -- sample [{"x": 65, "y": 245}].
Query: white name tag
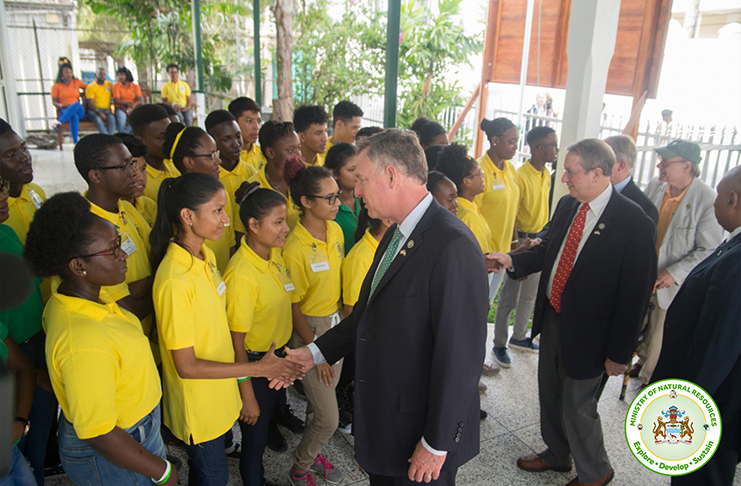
[
  {"x": 289, "y": 287},
  {"x": 497, "y": 187},
  {"x": 35, "y": 198},
  {"x": 221, "y": 288},
  {"x": 320, "y": 267},
  {"x": 128, "y": 246}
]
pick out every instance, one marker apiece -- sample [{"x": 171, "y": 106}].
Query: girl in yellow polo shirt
[
  {"x": 258, "y": 308},
  {"x": 100, "y": 363},
  {"x": 193, "y": 150},
  {"x": 314, "y": 252},
  {"x": 468, "y": 177},
  {"x": 201, "y": 396}
]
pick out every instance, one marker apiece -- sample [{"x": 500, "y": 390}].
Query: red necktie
[{"x": 566, "y": 263}]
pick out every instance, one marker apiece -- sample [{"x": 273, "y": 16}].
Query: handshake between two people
[
  {"x": 496, "y": 262},
  {"x": 282, "y": 372}
]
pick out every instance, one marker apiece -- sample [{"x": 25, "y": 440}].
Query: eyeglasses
[
  {"x": 128, "y": 169},
  {"x": 4, "y": 186},
  {"x": 572, "y": 173},
  {"x": 214, "y": 156},
  {"x": 331, "y": 199},
  {"x": 549, "y": 145},
  {"x": 113, "y": 251},
  {"x": 666, "y": 163},
  {"x": 480, "y": 172}
]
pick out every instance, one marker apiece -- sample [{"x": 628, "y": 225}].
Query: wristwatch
[{"x": 26, "y": 424}]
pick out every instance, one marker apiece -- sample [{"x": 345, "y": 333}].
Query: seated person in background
[
  {"x": 346, "y": 119},
  {"x": 223, "y": 128},
  {"x": 310, "y": 122},
  {"x": 341, "y": 162},
  {"x": 100, "y": 362},
  {"x": 444, "y": 190},
  {"x": 145, "y": 205},
  {"x": 432, "y": 133},
  {"x": 177, "y": 93},
  {"x": 149, "y": 122},
  {"x": 99, "y": 98},
  {"x": 65, "y": 96},
  {"x": 171, "y": 114},
  {"x": 193, "y": 150},
  {"x": 249, "y": 119},
  {"x": 126, "y": 96}
]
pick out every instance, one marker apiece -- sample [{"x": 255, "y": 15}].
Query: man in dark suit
[
  {"x": 599, "y": 263},
  {"x": 418, "y": 329},
  {"x": 702, "y": 335},
  {"x": 622, "y": 178}
]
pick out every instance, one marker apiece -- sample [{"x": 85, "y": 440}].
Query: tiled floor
[{"x": 511, "y": 430}]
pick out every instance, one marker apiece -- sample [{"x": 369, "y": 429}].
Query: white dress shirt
[{"x": 596, "y": 208}]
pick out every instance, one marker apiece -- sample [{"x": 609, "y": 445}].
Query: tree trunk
[{"x": 284, "y": 12}]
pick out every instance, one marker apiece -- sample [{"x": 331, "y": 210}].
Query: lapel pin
[
  {"x": 403, "y": 253},
  {"x": 410, "y": 245},
  {"x": 602, "y": 226}
]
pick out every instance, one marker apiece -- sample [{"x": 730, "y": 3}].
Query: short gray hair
[
  {"x": 593, "y": 153},
  {"x": 399, "y": 148},
  {"x": 624, "y": 148}
]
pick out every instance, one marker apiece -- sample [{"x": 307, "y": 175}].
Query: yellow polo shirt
[
  {"x": 498, "y": 203},
  {"x": 254, "y": 157},
  {"x": 176, "y": 93},
  {"x": 316, "y": 268},
  {"x": 189, "y": 302},
  {"x": 101, "y": 94},
  {"x": 469, "y": 213},
  {"x": 258, "y": 298},
  {"x": 147, "y": 208},
  {"x": 535, "y": 186},
  {"x": 21, "y": 209},
  {"x": 356, "y": 266},
  {"x": 156, "y": 176},
  {"x": 231, "y": 180},
  {"x": 293, "y": 212},
  {"x": 222, "y": 247},
  {"x": 667, "y": 209},
  {"x": 100, "y": 364}
]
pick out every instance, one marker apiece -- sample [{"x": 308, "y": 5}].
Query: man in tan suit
[{"x": 686, "y": 234}]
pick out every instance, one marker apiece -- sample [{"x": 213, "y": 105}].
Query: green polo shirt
[
  {"x": 348, "y": 221},
  {"x": 23, "y": 322}
]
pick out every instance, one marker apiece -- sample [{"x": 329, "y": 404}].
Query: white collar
[
  {"x": 598, "y": 204},
  {"x": 410, "y": 222}
]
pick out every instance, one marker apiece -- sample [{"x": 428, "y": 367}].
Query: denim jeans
[
  {"x": 85, "y": 466},
  {"x": 72, "y": 115},
  {"x": 20, "y": 473},
  {"x": 186, "y": 117},
  {"x": 255, "y": 437},
  {"x": 44, "y": 406},
  {"x": 121, "y": 118},
  {"x": 208, "y": 466},
  {"x": 100, "y": 124}
]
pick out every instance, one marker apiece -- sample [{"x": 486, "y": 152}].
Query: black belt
[
  {"x": 522, "y": 234},
  {"x": 258, "y": 355}
]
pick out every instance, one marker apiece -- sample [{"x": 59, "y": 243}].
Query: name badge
[
  {"x": 128, "y": 245},
  {"x": 35, "y": 198},
  {"x": 497, "y": 187},
  {"x": 221, "y": 288},
  {"x": 320, "y": 267},
  {"x": 289, "y": 287}
]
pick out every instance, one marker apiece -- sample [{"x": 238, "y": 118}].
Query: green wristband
[{"x": 240, "y": 380}]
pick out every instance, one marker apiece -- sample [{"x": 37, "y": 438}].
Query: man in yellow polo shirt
[
  {"x": 149, "y": 122},
  {"x": 249, "y": 119},
  {"x": 310, "y": 122},
  {"x": 534, "y": 181},
  {"x": 346, "y": 119},
  {"x": 98, "y": 95},
  {"x": 177, "y": 93}
]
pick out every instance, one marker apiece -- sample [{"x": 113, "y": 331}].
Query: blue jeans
[
  {"x": 121, "y": 118},
  {"x": 100, "y": 124},
  {"x": 255, "y": 437},
  {"x": 72, "y": 115},
  {"x": 186, "y": 117},
  {"x": 85, "y": 466},
  {"x": 207, "y": 460},
  {"x": 20, "y": 473},
  {"x": 44, "y": 406}
]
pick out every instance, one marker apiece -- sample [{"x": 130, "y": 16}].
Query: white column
[
  {"x": 7, "y": 82},
  {"x": 591, "y": 45}
]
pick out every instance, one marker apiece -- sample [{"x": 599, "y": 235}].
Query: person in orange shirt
[
  {"x": 126, "y": 96},
  {"x": 65, "y": 96}
]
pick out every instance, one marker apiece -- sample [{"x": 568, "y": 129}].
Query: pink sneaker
[
  {"x": 326, "y": 470},
  {"x": 301, "y": 480}
]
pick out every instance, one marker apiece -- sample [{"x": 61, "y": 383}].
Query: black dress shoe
[
  {"x": 276, "y": 441},
  {"x": 483, "y": 414},
  {"x": 284, "y": 417}
]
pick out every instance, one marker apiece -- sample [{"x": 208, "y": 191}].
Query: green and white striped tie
[{"x": 388, "y": 257}]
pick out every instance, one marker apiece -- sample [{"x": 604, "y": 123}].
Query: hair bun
[
  {"x": 485, "y": 124},
  {"x": 293, "y": 168}
]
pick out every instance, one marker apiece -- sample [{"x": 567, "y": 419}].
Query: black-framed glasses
[
  {"x": 128, "y": 169},
  {"x": 4, "y": 186},
  {"x": 214, "y": 156},
  {"x": 479, "y": 172},
  {"x": 331, "y": 199},
  {"x": 115, "y": 251}
]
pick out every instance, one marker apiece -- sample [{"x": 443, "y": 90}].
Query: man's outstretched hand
[{"x": 301, "y": 356}]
